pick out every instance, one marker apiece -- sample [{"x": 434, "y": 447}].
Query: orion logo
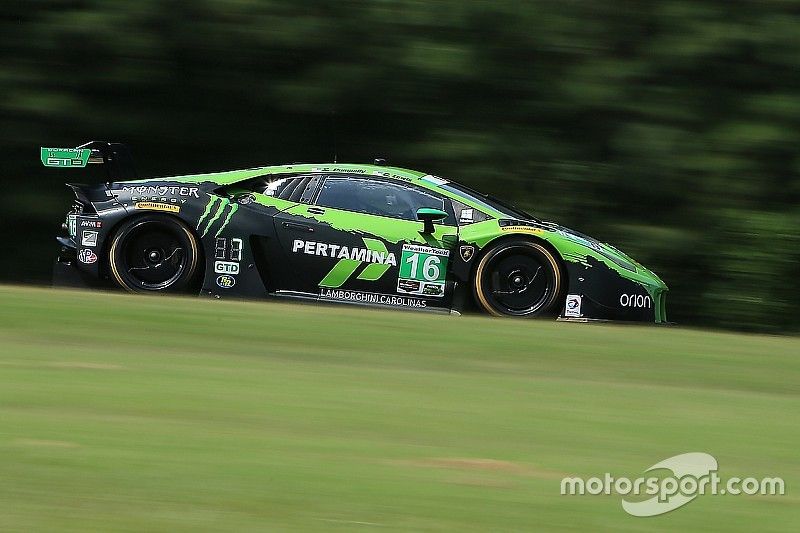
[{"x": 635, "y": 300}]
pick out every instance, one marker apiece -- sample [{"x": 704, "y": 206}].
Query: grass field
[{"x": 131, "y": 413}]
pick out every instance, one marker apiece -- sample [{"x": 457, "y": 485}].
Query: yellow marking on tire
[{"x": 479, "y": 273}]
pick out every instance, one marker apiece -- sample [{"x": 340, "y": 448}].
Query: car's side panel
[
  {"x": 355, "y": 257},
  {"x": 243, "y": 257},
  {"x": 226, "y": 227}
]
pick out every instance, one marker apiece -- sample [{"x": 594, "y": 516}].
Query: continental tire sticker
[
  {"x": 423, "y": 271},
  {"x": 522, "y": 229},
  {"x": 156, "y": 206}
]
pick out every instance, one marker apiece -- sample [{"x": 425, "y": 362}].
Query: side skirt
[{"x": 311, "y": 297}]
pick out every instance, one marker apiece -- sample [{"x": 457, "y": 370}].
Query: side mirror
[{"x": 428, "y": 216}]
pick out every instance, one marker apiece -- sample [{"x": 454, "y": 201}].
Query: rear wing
[{"x": 115, "y": 158}]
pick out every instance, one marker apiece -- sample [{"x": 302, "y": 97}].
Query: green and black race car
[{"x": 352, "y": 233}]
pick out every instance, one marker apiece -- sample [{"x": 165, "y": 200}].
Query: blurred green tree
[{"x": 669, "y": 127}]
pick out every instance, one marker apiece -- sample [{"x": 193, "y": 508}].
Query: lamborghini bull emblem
[{"x": 466, "y": 253}]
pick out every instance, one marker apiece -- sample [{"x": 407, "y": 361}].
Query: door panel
[{"x": 346, "y": 256}]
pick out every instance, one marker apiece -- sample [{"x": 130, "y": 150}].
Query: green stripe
[
  {"x": 223, "y": 204},
  {"x": 234, "y": 208},
  {"x": 340, "y": 273},
  {"x": 374, "y": 271},
  {"x": 209, "y": 205}
]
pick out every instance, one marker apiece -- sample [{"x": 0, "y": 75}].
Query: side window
[
  {"x": 467, "y": 215},
  {"x": 292, "y": 188},
  {"x": 375, "y": 197}
]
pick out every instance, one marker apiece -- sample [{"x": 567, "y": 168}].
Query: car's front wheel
[
  {"x": 154, "y": 253},
  {"x": 517, "y": 278}
]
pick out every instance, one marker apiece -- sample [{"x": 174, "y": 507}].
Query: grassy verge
[{"x": 121, "y": 412}]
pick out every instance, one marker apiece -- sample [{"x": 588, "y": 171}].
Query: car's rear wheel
[
  {"x": 517, "y": 278},
  {"x": 154, "y": 253}
]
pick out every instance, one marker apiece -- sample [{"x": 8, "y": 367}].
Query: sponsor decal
[
  {"x": 162, "y": 193},
  {"x": 408, "y": 286},
  {"x": 225, "y": 281},
  {"x": 89, "y": 238},
  {"x": 156, "y": 206},
  {"x": 433, "y": 289},
  {"x": 91, "y": 224},
  {"x": 215, "y": 210},
  {"x": 340, "y": 295},
  {"x": 522, "y": 229},
  {"x": 226, "y": 267},
  {"x": 426, "y": 265},
  {"x": 637, "y": 301},
  {"x": 338, "y": 251},
  {"x": 467, "y": 215},
  {"x": 573, "y": 305},
  {"x": 466, "y": 252},
  {"x": 65, "y": 157},
  {"x": 87, "y": 256},
  {"x": 350, "y": 259}
]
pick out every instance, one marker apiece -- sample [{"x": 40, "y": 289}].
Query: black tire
[
  {"x": 517, "y": 278},
  {"x": 154, "y": 253}
]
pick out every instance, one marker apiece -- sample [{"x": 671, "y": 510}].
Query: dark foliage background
[{"x": 667, "y": 127}]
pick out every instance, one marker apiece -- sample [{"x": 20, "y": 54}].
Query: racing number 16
[{"x": 430, "y": 266}]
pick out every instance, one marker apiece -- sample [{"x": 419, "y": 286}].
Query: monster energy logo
[{"x": 217, "y": 206}]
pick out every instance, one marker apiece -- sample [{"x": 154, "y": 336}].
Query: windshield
[{"x": 486, "y": 200}]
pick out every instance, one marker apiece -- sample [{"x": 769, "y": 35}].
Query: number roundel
[
  {"x": 423, "y": 270},
  {"x": 430, "y": 270}
]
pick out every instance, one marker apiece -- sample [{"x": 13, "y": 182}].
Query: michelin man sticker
[{"x": 423, "y": 271}]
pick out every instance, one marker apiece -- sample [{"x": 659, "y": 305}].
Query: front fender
[{"x": 604, "y": 283}]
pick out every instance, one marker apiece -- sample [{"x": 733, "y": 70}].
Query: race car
[{"x": 368, "y": 234}]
